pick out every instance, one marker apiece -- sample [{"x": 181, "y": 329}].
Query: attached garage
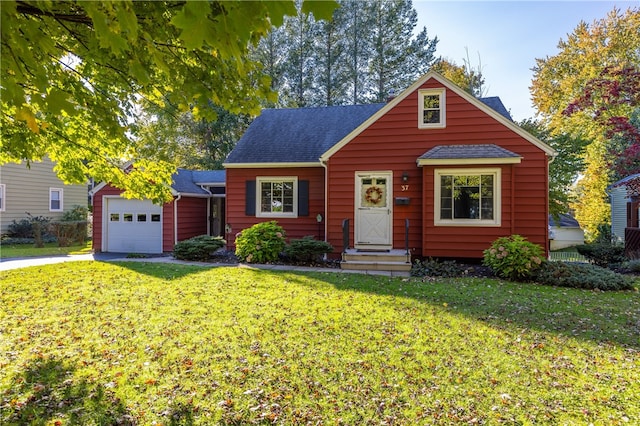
[
  {"x": 133, "y": 226},
  {"x": 138, "y": 226}
]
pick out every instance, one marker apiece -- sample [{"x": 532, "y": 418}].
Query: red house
[
  {"x": 433, "y": 172},
  {"x": 138, "y": 226}
]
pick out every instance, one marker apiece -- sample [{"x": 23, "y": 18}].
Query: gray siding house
[{"x": 36, "y": 190}]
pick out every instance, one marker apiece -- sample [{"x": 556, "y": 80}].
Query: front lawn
[
  {"x": 49, "y": 249},
  {"x": 141, "y": 343}
]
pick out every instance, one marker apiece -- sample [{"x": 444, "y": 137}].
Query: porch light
[{"x": 405, "y": 177}]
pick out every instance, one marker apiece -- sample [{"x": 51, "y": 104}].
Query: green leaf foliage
[
  {"x": 261, "y": 243},
  {"x": 513, "y": 258},
  {"x": 198, "y": 248},
  {"x": 307, "y": 249},
  {"x": 582, "y": 275},
  {"x": 74, "y": 74}
]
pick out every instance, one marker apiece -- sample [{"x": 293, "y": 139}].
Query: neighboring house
[
  {"x": 565, "y": 232},
  {"x": 139, "y": 226},
  {"x": 624, "y": 196},
  {"x": 457, "y": 168},
  {"x": 35, "y": 189}
]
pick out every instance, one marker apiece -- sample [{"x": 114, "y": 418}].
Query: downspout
[
  {"x": 551, "y": 159},
  {"x": 175, "y": 219},
  {"x": 326, "y": 201},
  {"x": 513, "y": 199}
]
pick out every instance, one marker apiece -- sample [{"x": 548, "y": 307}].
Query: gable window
[
  {"x": 3, "y": 198},
  {"x": 468, "y": 197},
  {"x": 55, "y": 199},
  {"x": 277, "y": 197},
  {"x": 431, "y": 109}
]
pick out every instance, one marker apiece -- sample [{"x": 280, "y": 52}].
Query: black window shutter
[
  {"x": 303, "y": 198},
  {"x": 250, "y": 198}
]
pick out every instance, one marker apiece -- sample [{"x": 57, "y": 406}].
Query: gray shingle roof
[
  {"x": 496, "y": 104},
  {"x": 188, "y": 181},
  {"x": 302, "y": 135},
  {"x": 299, "y": 135},
  {"x": 566, "y": 221},
  {"x": 450, "y": 152}
]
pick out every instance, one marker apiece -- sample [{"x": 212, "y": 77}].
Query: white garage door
[{"x": 133, "y": 226}]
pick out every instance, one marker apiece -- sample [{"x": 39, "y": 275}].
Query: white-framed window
[
  {"x": 467, "y": 197},
  {"x": 55, "y": 199},
  {"x": 276, "y": 196},
  {"x": 3, "y": 196},
  {"x": 431, "y": 109}
]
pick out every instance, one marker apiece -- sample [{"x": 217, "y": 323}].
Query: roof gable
[{"x": 487, "y": 105}]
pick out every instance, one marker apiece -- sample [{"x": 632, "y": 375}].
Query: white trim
[
  {"x": 61, "y": 199},
  {"x": 497, "y": 197},
  {"x": 271, "y": 179},
  {"x": 451, "y": 86},
  {"x": 442, "y": 100},
  {"x": 3, "y": 197},
  {"x": 465, "y": 161},
  {"x": 269, "y": 165}
]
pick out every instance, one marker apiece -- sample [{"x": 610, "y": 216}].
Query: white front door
[{"x": 373, "y": 216}]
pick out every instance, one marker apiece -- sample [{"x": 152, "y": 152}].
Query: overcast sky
[{"x": 507, "y": 36}]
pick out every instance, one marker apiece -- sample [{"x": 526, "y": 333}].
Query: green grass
[
  {"x": 49, "y": 249},
  {"x": 142, "y": 343}
]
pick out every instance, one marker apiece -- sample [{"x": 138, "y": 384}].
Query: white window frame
[
  {"x": 271, "y": 179},
  {"x": 61, "y": 192},
  {"x": 497, "y": 197},
  {"x": 3, "y": 197},
  {"x": 441, "y": 93}
]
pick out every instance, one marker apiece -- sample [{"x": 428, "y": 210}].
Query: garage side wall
[{"x": 98, "y": 204}]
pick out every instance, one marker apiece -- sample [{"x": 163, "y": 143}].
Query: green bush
[
  {"x": 307, "y": 249},
  {"x": 198, "y": 248},
  {"x": 582, "y": 275},
  {"x": 69, "y": 232},
  {"x": 262, "y": 243},
  {"x": 513, "y": 258},
  {"x": 436, "y": 268},
  {"x": 24, "y": 228},
  {"x": 602, "y": 254},
  {"x": 76, "y": 214}
]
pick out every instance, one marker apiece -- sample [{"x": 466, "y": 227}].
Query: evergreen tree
[{"x": 397, "y": 59}]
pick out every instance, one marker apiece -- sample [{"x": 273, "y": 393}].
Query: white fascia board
[{"x": 268, "y": 165}]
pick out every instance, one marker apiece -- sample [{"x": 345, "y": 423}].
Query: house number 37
[{"x": 404, "y": 188}]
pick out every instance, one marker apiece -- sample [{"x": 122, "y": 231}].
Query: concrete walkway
[{"x": 16, "y": 263}]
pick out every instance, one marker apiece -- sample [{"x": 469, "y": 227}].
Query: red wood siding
[
  {"x": 394, "y": 142},
  {"x": 294, "y": 227},
  {"x": 168, "y": 238},
  {"x": 98, "y": 204},
  {"x": 192, "y": 217}
]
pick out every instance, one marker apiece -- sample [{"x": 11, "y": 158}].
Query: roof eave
[
  {"x": 466, "y": 161},
  {"x": 270, "y": 165}
]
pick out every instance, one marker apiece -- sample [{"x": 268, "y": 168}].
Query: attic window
[{"x": 431, "y": 109}]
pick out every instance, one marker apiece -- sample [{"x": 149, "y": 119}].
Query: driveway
[{"x": 15, "y": 263}]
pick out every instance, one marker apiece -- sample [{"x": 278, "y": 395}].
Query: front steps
[{"x": 396, "y": 262}]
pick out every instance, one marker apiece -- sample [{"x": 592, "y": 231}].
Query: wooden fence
[{"x": 566, "y": 256}]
